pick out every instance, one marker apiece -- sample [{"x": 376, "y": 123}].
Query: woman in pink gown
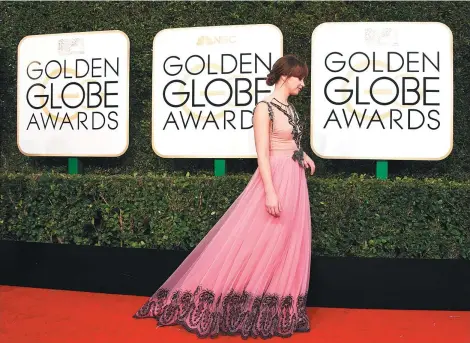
[{"x": 250, "y": 274}]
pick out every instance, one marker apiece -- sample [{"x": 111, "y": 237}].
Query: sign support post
[
  {"x": 75, "y": 166},
  {"x": 381, "y": 170},
  {"x": 219, "y": 167}
]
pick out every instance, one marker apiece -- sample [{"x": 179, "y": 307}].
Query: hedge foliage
[
  {"x": 142, "y": 20},
  {"x": 355, "y": 216}
]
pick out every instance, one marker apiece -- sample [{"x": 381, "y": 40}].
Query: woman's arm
[{"x": 261, "y": 127}]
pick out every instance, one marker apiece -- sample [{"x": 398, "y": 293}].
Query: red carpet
[{"x": 30, "y": 315}]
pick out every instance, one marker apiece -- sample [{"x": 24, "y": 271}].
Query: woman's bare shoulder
[{"x": 264, "y": 103}]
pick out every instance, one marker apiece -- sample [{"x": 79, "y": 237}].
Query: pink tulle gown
[{"x": 249, "y": 275}]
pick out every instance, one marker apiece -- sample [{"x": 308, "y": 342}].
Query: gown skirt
[{"x": 249, "y": 275}]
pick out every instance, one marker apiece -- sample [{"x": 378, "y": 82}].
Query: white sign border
[
  {"x": 126, "y": 95},
  {"x": 153, "y": 93},
  {"x": 397, "y": 158}
]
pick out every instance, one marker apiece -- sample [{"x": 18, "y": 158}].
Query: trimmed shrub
[{"x": 355, "y": 216}]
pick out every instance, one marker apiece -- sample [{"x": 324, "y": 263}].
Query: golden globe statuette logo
[
  {"x": 368, "y": 89},
  {"x": 57, "y": 95},
  {"x": 213, "y": 93},
  {"x": 217, "y": 92}
]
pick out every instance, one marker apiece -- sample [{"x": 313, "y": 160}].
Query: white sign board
[
  {"x": 206, "y": 83},
  {"x": 382, "y": 91},
  {"x": 73, "y": 94}
]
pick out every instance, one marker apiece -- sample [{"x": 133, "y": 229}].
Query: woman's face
[{"x": 294, "y": 85}]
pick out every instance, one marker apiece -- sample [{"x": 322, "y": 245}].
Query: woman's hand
[
  {"x": 308, "y": 163},
  {"x": 273, "y": 205}
]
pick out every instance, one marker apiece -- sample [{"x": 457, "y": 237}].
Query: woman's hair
[{"x": 288, "y": 65}]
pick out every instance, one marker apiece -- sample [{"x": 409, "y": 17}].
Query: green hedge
[
  {"x": 142, "y": 20},
  {"x": 356, "y": 216}
]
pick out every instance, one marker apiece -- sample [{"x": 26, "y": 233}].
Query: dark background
[{"x": 142, "y": 20}]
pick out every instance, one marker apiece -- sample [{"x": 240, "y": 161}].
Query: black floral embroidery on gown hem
[{"x": 243, "y": 314}]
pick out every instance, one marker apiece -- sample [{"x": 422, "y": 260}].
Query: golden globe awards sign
[
  {"x": 206, "y": 82},
  {"x": 382, "y": 91},
  {"x": 73, "y": 94}
]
